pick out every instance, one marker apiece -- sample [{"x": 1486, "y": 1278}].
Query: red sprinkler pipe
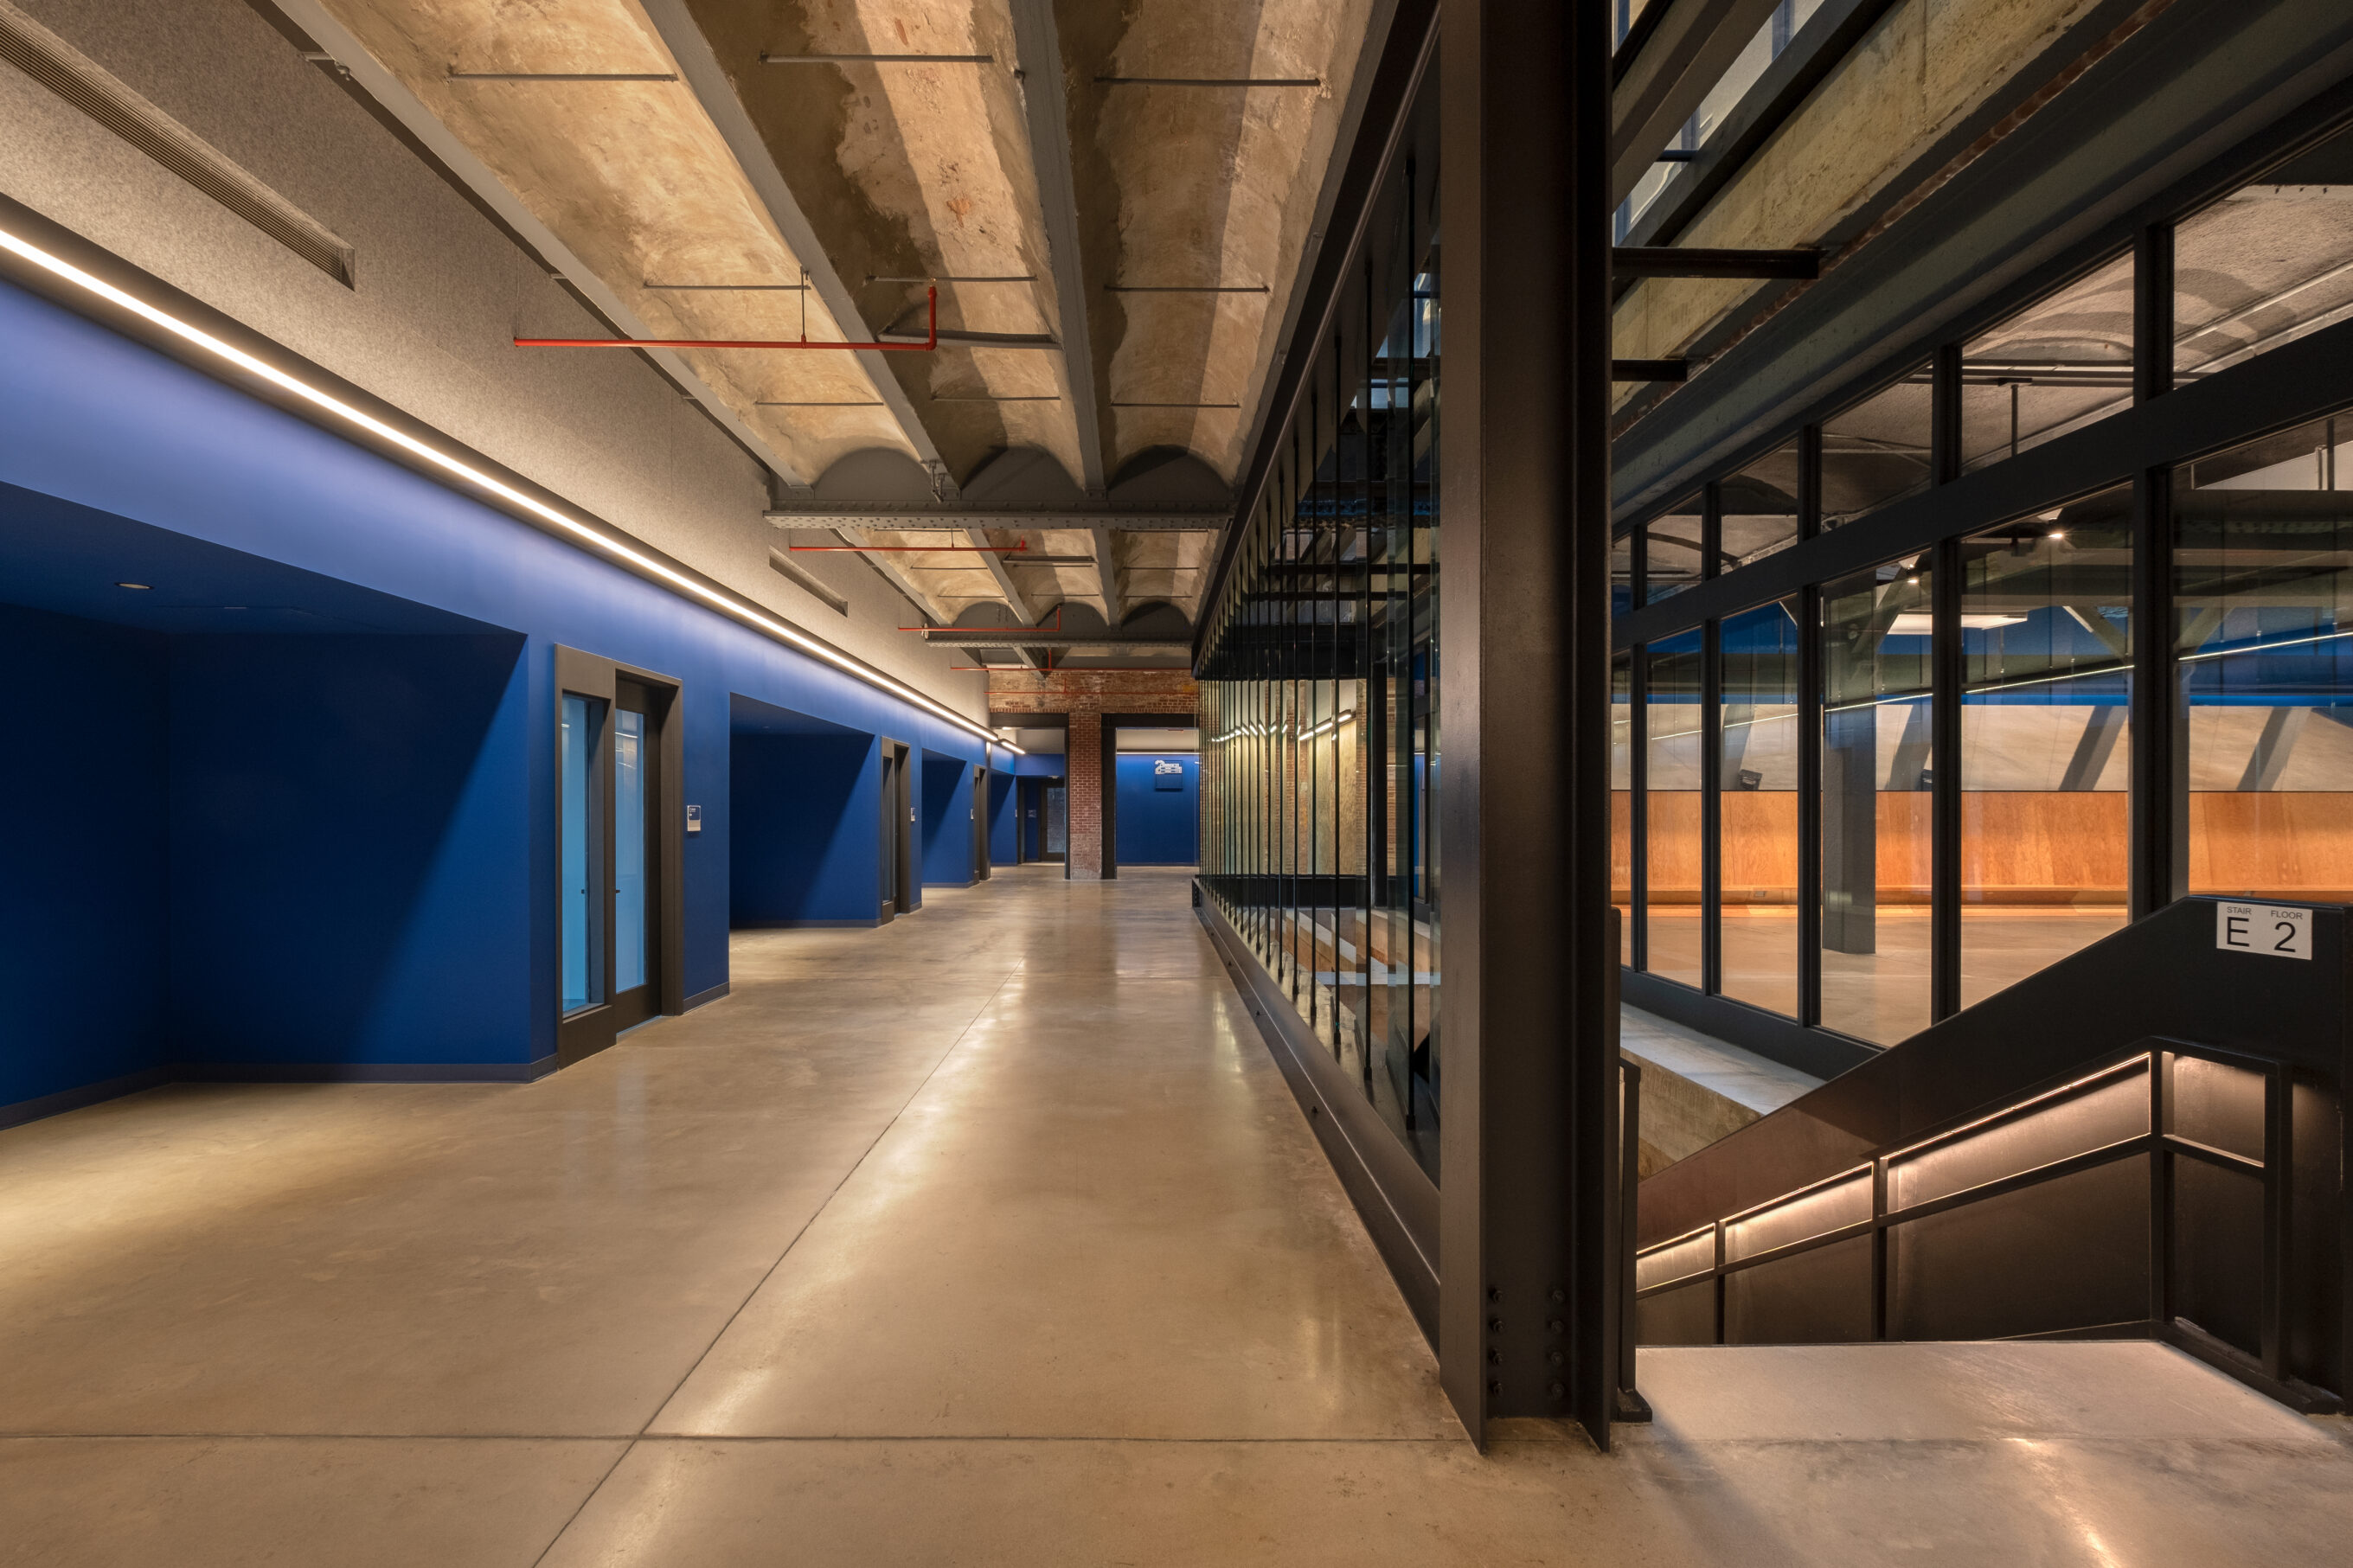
[{"x": 930, "y": 342}]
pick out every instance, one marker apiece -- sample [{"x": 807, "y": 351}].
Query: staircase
[{"x": 2145, "y": 1140}]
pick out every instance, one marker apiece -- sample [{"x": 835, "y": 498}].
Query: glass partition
[
  {"x": 2268, "y": 264},
  {"x": 1757, "y": 811},
  {"x": 1673, "y": 745},
  {"x": 1878, "y": 451},
  {"x": 581, "y": 831},
  {"x": 2058, "y": 366},
  {"x": 1320, "y": 680},
  {"x": 2264, "y": 596},
  {"x": 630, "y": 889},
  {"x": 1759, "y": 508},
  {"x": 1878, "y": 762},
  {"x": 1671, "y": 549},
  {"x": 1622, "y": 800},
  {"x": 2045, "y": 764}
]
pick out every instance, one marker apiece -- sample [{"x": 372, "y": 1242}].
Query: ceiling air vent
[{"x": 74, "y": 77}]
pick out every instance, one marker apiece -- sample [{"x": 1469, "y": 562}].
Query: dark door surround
[
  {"x": 588, "y": 1030},
  {"x": 631, "y": 695},
  {"x": 980, "y": 786},
  {"x": 1108, "y": 773},
  {"x": 897, "y": 872}
]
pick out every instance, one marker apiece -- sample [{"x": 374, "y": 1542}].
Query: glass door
[
  {"x": 890, "y": 830},
  {"x": 616, "y": 851},
  {"x": 580, "y": 827}
]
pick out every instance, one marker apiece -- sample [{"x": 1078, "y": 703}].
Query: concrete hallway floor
[{"x": 992, "y": 1237}]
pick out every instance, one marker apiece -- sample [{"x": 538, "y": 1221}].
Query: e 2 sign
[{"x": 2281, "y": 931}]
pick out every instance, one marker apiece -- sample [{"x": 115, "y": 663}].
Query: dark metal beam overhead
[{"x": 1676, "y": 65}]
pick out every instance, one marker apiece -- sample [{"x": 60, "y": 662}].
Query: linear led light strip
[{"x": 375, "y": 426}]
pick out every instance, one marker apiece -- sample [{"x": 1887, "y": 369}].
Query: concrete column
[{"x": 1082, "y": 764}]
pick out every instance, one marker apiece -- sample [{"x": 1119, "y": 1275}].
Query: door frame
[
  {"x": 584, "y": 1033},
  {"x": 897, "y": 812},
  {"x": 981, "y": 775}
]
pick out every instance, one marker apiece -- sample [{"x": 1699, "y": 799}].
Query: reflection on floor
[
  {"x": 1883, "y": 996},
  {"x": 991, "y": 1237}
]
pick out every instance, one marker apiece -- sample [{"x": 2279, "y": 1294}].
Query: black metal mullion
[
  {"x": 2152, "y": 312},
  {"x": 1711, "y": 808},
  {"x": 1810, "y": 665},
  {"x": 1810, "y": 481},
  {"x": 2159, "y": 796},
  {"x": 2278, "y": 1235},
  {"x": 1638, "y": 815},
  {"x": 1711, "y": 531},
  {"x": 1944, "y": 416}
]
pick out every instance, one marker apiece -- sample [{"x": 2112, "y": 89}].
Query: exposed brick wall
[
  {"x": 1086, "y": 695},
  {"x": 1083, "y": 771},
  {"x": 1170, "y": 691}
]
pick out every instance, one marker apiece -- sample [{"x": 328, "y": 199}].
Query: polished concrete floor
[{"x": 992, "y": 1237}]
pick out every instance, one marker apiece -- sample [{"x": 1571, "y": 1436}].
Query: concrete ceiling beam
[
  {"x": 390, "y": 94},
  {"x": 1040, "y": 48},
  {"x": 698, "y": 63},
  {"x": 1008, "y": 589},
  {"x": 1107, "y": 572}
]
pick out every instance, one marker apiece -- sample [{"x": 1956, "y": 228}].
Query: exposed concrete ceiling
[{"x": 1076, "y": 219}]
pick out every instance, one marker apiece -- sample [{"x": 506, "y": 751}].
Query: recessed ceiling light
[{"x": 143, "y": 587}]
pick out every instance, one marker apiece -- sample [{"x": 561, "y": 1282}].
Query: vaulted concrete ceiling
[{"x": 1115, "y": 255}]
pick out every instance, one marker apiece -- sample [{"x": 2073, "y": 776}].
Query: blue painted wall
[
  {"x": 1157, "y": 827},
  {"x": 1004, "y": 820},
  {"x": 805, "y": 839},
  {"x": 350, "y": 836},
  {"x": 83, "y": 930},
  {"x": 946, "y": 815},
  {"x": 94, "y": 419}
]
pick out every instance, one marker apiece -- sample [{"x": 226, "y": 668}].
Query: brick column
[{"x": 1082, "y": 769}]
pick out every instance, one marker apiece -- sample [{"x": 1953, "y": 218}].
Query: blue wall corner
[
  {"x": 84, "y": 934},
  {"x": 804, "y": 841},
  {"x": 1159, "y": 827},
  {"x": 1004, "y": 819},
  {"x": 944, "y": 815},
  {"x": 341, "y": 920},
  {"x": 350, "y": 850}
]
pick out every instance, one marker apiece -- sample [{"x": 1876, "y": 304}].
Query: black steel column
[
  {"x": 1528, "y": 1312},
  {"x": 2160, "y": 802},
  {"x": 1947, "y": 669},
  {"x": 2159, "y": 833},
  {"x": 1108, "y": 861}
]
